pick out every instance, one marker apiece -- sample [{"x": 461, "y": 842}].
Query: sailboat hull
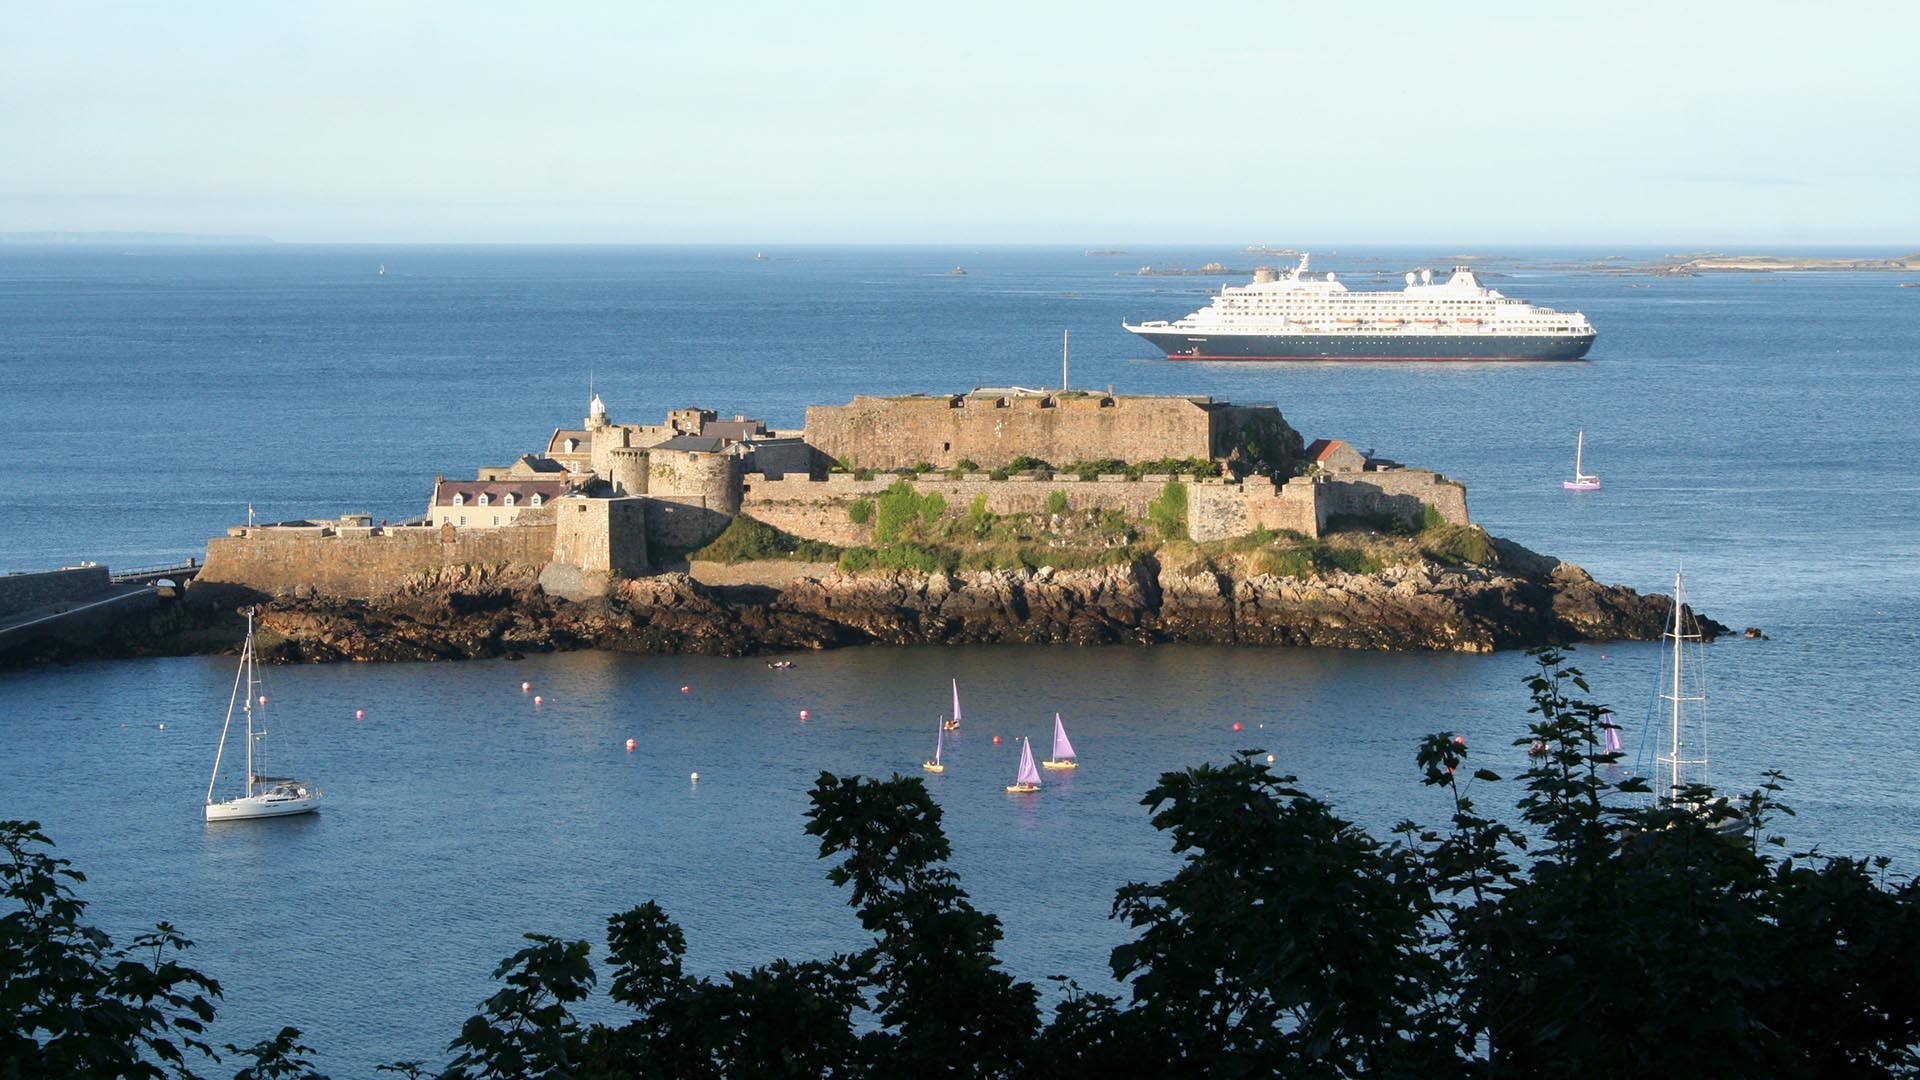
[
  {"x": 1022, "y": 789},
  {"x": 933, "y": 766},
  {"x": 1059, "y": 764},
  {"x": 262, "y": 806},
  {"x": 1580, "y": 485}
]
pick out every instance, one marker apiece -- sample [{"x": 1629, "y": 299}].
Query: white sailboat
[
  {"x": 265, "y": 796},
  {"x": 1062, "y": 749},
  {"x": 1028, "y": 778},
  {"x": 939, "y": 744},
  {"x": 1581, "y": 481},
  {"x": 1682, "y": 759},
  {"x": 952, "y": 723}
]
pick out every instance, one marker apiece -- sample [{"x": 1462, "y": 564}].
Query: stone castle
[{"x": 607, "y": 501}]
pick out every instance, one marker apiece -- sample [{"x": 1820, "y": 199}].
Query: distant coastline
[
  {"x": 125, "y": 239},
  {"x": 1693, "y": 265}
]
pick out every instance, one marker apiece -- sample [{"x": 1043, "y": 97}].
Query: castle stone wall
[
  {"x": 1402, "y": 493},
  {"x": 367, "y": 565},
  {"x": 891, "y": 433},
  {"x": 24, "y": 592},
  {"x": 817, "y": 509},
  {"x": 607, "y": 536}
]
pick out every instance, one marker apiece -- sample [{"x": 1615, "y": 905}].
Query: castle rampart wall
[
  {"x": 363, "y": 564},
  {"x": 892, "y": 433}
]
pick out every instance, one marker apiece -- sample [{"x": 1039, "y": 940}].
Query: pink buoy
[
  {"x": 803, "y": 714},
  {"x": 359, "y": 714},
  {"x": 537, "y": 699},
  {"x": 1236, "y": 725},
  {"x": 263, "y": 699},
  {"x": 686, "y": 689},
  {"x": 630, "y": 745},
  {"x": 525, "y": 686},
  {"x": 996, "y": 740}
]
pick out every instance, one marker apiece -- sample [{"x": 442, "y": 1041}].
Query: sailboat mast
[
  {"x": 1579, "y": 445},
  {"x": 232, "y": 700},
  {"x": 1673, "y": 786},
  {"x": 248, "y": 704}
]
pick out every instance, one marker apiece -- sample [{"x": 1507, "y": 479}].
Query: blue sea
[{"x": 1757, "y": 430}]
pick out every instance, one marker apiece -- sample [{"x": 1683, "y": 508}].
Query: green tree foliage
[
  {"x": 899, "y": 508},
  {"x": 72, "y": 1003},
  {"x": 860, "y": 511},
  {"x": 1056, "y": 501}
]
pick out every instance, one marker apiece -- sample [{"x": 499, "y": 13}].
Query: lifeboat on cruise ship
[
  {"x": 1348, "y": 322},
  {"x": 1468, "y": 322},
  {"x": 1390, "y": 322},
  {"x": 1428, "y": 322}
]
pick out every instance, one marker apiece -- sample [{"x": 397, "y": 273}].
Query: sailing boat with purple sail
[
  {"x": 1062, "y": 749},
  {"x": 952, "y": 723},
  {"x": 1028, "y": 779},
  {"x": 939, "y": 744}
]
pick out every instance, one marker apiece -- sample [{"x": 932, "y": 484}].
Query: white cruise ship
[{"x": 1295, "y": 317}]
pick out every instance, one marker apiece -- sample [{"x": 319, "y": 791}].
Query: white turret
[{"x": 597, "y": 413}]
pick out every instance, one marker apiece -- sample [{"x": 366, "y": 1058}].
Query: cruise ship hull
[{"x": 1349, "y": 346}]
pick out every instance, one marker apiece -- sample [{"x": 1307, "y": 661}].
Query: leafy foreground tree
[{"x": 1597, "y": 931}]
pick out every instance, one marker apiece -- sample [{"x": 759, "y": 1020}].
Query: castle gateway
[{"x": 993, "y": 426}]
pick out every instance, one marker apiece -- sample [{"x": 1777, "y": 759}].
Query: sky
[{"x": 1269, "y": 121}]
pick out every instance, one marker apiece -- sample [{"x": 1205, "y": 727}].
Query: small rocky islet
[{"x": 906, "y": 521}]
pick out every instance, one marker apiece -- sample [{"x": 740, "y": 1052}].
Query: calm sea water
[{"x": 1754, "y": 428}]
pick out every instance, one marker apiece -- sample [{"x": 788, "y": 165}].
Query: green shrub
[
  {"x": 1169, "y": 512},
  {"x": 1431, "y": 518},
  {"x": 1023, "y": 463},
  {"x": 1056, "y": 502},
  {"x": 1090, "y": 470},
  {"x": 860, "y": 511},
  {"x": 966, "y": 465},
  {"x": 980, "y": 520},
  {"x": 922, "y": 467},
  {"x": 1460, "y": 545},
  {"x": 863, "y": 474},
  {"x": 933, "y": 507},
  {"x": 902, "y": 556},
  {"x": 747, "y": 538}
]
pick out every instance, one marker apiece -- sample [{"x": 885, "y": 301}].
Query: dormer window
[
  {"x": 570, "y": 446},
  {"x": 507, "y": 500},
  {"x": 459, "y": 499},
  {"x": 537, "y": 500},
  {"x": 483, "y": 499}
]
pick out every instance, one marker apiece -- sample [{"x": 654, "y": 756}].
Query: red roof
[{"x": 1319, "y": 449}]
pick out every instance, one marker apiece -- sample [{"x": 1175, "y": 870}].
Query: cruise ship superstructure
[{"x": 1292, "y": 316}]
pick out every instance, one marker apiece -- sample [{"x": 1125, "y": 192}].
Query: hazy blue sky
[{"x": 1260, "y": 120}]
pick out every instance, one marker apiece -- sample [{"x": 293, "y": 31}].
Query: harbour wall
[{"x": 26, "y": 591}]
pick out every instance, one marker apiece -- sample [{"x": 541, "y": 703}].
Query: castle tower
[{"x": 596, "y": 414}]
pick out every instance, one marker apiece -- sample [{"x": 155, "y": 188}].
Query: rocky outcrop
[{"x": 1530, "y": 600}]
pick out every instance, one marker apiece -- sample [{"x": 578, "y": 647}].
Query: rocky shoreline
[{"x": 477, "y": 612}]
